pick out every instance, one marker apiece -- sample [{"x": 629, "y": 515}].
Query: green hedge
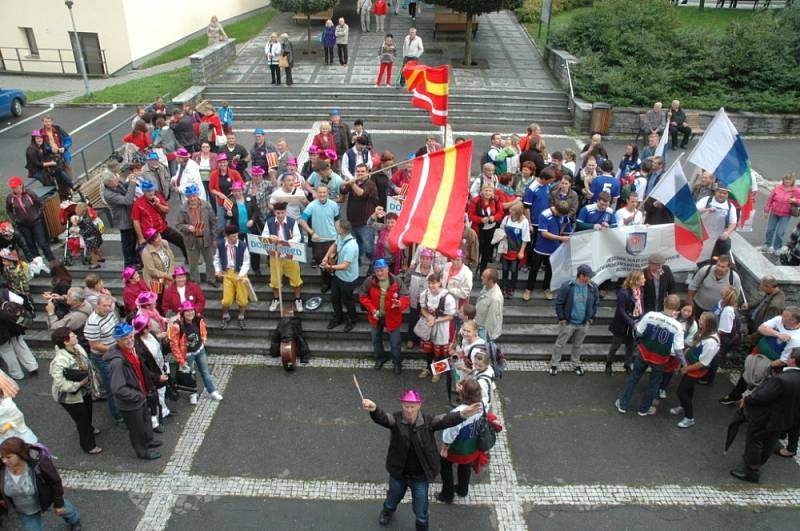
[
  {"x": 531, "y": 9},
  {"x": 636, "y": 52}
]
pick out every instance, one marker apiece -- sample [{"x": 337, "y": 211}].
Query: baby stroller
[
  {"x": 74, "y": 245},
  {"x": 791, "y": 256}
]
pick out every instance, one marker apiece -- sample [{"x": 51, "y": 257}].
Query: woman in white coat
[
  {"x": 187, "y": 173},
  {"x": 272, "y": 51},
  {"x": 457, "y": 280}
]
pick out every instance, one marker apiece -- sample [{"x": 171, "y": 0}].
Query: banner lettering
[{"x": 260, "y": 245}]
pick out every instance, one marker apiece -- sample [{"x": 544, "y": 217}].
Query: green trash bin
[{"x": 601, "y": 118}]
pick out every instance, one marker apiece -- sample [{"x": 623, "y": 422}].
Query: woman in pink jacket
[{"x": 778, "y": 209}]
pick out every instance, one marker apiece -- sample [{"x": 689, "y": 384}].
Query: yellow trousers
[{"x": 233, "y": 288}]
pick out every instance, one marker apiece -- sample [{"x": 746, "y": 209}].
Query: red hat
[{"x": 14, "y": 182}]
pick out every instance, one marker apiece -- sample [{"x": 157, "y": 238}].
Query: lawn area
[
  {"x": 242, "y": 31},
  {"x": 144, "y": 90},
  {"x": 710, "y": 19},
  {"x": 36, "y": 95}
]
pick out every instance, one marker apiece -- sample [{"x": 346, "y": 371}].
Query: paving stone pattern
[{"x": 503, "y": 51}]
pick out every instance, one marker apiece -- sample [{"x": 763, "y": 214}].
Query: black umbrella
[{"x": 733, "y": 427}]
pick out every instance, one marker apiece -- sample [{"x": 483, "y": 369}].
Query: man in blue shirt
[
  {"x": 576, "y": 306},
  {"x": 537, "y": 199},
  {"x": 342, "y": 260},
  {"x": 605, "y": 182},
  {"x": 597, "y": 216},
  {"x": 323, "y": 214},
  {"x": 554, "y": 228}
]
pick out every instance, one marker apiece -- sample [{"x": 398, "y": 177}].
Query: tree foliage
[
  {"x": 634, "y": 53},
  {"x": 306, "y": 7},
  {"x": 475, "y": 7}
]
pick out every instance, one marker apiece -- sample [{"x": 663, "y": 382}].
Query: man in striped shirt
[
  {"x": 660, "y": 337},
  {"x": 98, "y": 332}
]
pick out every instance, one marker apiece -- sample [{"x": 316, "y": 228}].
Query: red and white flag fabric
[
  {"x": 429, "y": 86},
  {"x": 433, "y": 212}
]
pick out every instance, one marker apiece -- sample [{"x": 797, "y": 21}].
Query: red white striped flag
[
  {"x": 272, "y": 159},
  {"x": 433, "y": 212},
  {"x": 429, "y": 86}
]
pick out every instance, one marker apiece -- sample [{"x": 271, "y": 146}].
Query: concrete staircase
[
  {"x": 470, "y": 109},
  {"x": 529, "y": 330}
]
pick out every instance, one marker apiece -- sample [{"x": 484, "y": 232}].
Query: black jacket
[
  {"x": 652, "y": 301},
  {"x": 622, "y": 323},
  {"x": 30, "y": 215},
  {"x": 420, "y": 436},
  {"x": 152, "y": 372},
  {"x": 253, "y": 212},
  {"x": 17, "y": 244},
  {"x": 128, "y": 395},
  {"x": 288, "y": 328},
  {"x": 775, "y": 404},
  {"x": 48, "y": 482},
  {"x": 184, "y": 131}
]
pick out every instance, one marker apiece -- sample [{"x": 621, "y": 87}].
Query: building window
[{"x": 31, "y": 39}]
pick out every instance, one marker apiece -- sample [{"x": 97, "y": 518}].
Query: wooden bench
[
  {"x": 693, "y": 121},
  {"x": 322, "y": 15},
  {"x": 453, "y": 23}
]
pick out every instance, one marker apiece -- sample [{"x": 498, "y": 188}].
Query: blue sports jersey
[
  {"x": 536, "y": 199},
  {"x": 589, "y": 216},
  {"x": 604, "y": 183},
  {"x": 554, "y": 225}
]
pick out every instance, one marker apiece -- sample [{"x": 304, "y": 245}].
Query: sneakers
[
  {"x": 298, "y": 305},
  {"x": 676, "y": 410},
  {"x": 762, "y": 248},
  {"x": 662, "y": 394},
  {"x": 216, "y": 396},
  {"x": 619, "y": 407},
  {"x": 685, "y": 422},
  {"x": 384, "y": 517},
  {"x": 225, "y": 321},
  {"x": 241, "y": 323},
  {"x": 273, "y": 306},
  {"x": 553, "y": 370},
  {"x": 424, "y": 373},
  {"x": 609, "y": 369},
  {"x": 651, "y": 411},
  {"x": 727, "y": 401},
  {"x": 578, "y": 370},
  {"x": 526, "y": 295},
  {"x": 193, "y": 399},
  {"x": 548, "y": 294}
]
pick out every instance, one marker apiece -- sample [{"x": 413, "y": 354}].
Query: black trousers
[
  {"x": 412, "y": 9},
  {"x": 81, "y": 414},
  {"x": 448, "y": 488},
  {"x": 176, "y": 238},
  {"x": 682, "y": 129},
  {"x": 288, "y": 72},
  {"x": 685, "y": 394},
  {"x": 738, "y": 390},
  {"x": 343, "y": 298},
  {"x": 485, "y": 248},
  {"x": 718, "y": 360},
  {"x": 128, "y": 242},
  {"x": 318, "y": 251},
  {"x": 275, "y": 72},
  {"x": 140, "y": 430},
  {"x": 537, "y": 261},
  {"x": 341, "y": 49},
  {"x": 758, "y": 447},
  {"x": 616, "y": 341}
]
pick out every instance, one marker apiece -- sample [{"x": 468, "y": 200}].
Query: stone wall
[
  {"x": 626, "y": 119},
  {"x": 209, "y": 61},
  {"x": 751, "y": 266}
]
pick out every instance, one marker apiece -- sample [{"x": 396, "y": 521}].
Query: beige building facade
[{"x": 36, "y": 35}]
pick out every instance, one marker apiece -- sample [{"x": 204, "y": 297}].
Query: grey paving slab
[
  {"x": 292, "y": 515},
  {"x": 306, "y": 438},
  {"x": 565, "y": 429},
  {"x": 55, "y": 428},
  {"x": 565, "y": 518}
]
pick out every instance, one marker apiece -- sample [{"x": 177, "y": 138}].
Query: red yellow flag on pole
[
  {"x": 429, "y": 86},
  {"x": 433, "y": 212}
]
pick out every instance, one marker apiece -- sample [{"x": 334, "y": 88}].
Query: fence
[{"x": 50, "y": 61}]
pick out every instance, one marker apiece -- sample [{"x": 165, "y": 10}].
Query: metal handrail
[
  {"x": 109, "y": 136},
  {"x": 21, "y": 56},
  {"x": 571, "y": 90}
]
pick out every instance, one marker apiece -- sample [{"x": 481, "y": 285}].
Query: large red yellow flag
[
  {"x": 433, "y": 212},
  {"x": 429, "y": 88}
]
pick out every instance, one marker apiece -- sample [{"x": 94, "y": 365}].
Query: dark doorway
[{"x": 92, "y": 54}]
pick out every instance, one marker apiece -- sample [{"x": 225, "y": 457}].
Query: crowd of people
[{"x": 131, "y": 348}]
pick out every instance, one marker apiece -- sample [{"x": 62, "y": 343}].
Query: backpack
[
  {"x": 738, "y": 331},
  {"x": 496, "y": 355},
  {"x": 707, "y": 264},
  {"x": 486, "y": 434},
  {"x": 205, "y": 133},
  {"x": 727, "y": 214}
]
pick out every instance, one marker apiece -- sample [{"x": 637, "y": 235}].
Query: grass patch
[
  {"x": 36, "y": 95},
  {"x": 144, "y": 90},
  {"x": 711, "y": 20},
  {"x": 242, "y": 31}
]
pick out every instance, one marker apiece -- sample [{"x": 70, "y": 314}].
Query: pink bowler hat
[
  {"x": 140, "y": 322},
  {"x": 146, "y": 297},
  {"x": 128, "y": 273},
  {"x": 221, "y": 157},
  {"x": 257, "y": 170},
  {"x": 182, "y": 152},
  {"x": 291, "y": 161},
  {"x": 180, "y": 270},
  {"x": 186, "y": 306},
  {"x": 150, "y": 233},
  {"x": 427, "y": 253},
  {"x": 237, "y": 185},
  {"x": 411, "y": 396}
]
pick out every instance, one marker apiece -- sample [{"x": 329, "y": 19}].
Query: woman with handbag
[
  {"x": 188, "y": 336},
  {"x": 156, "y": 370},
  {"x": 460, "y": 446},
  {"x": 517, "y": 237},
  {"x": 782, "y": 204},
  {"x": 485, "y": 212},
  {"x": 286, "y": 60},
  {"x": 72, "y": 376},
  {"x": 437, "y": 308}
]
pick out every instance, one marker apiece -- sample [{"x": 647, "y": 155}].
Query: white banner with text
[{"x": 261, "y": 245}]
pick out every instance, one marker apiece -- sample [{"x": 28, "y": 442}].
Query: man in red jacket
[
  {"x": 384, "y": 298},
  {"x": 180, "y": 291}
]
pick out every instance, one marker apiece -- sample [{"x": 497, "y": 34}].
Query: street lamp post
[{"x": 81, "y": 65}]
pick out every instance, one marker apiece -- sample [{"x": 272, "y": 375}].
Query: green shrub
[
  {"x": 532, "y": 9},
  {"x": 634, "y": 53}
]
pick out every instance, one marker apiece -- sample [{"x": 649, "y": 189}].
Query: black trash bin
[{"x": 601, "y": 118}]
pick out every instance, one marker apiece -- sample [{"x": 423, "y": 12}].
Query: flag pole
[
  {"x": 714, "y": 120},
  {"x": 677, "y": 160}
]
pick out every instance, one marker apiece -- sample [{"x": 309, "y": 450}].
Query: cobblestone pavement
[
  {"x": 500, "y": 43},
  {"x": 181, "y": 492}
]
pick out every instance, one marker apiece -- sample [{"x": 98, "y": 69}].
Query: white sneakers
[
  {"x": 676, "y": 410},
  {"x": 526, "y": 295},
  {"x": 651, "y": 411},
  {"x": 548, "y": 294},
  {"x": 273, "y": 306},
  {"x": 662, "y": 394},
  {"x": 216, "y": 396},
  {"x": 298, "y": 305},
  {"x": 193, "y": 399},
  {"x": 686, "y": 423}
]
